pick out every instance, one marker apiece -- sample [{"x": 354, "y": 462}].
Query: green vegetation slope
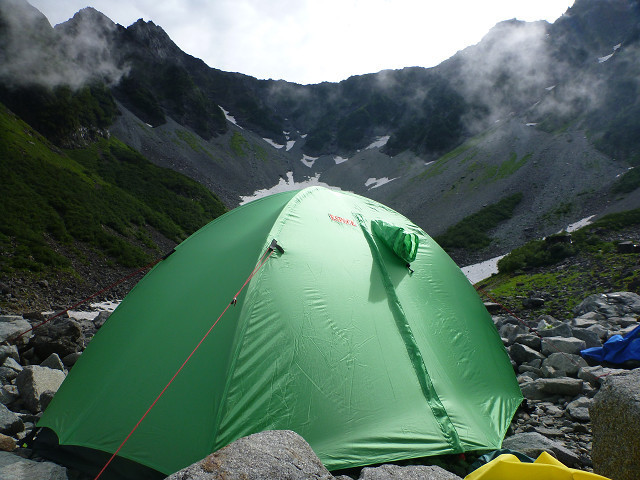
[{"x": 105, "y": 199}]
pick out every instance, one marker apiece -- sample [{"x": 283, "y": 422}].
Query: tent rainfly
[{"x": 358, "y": 332}]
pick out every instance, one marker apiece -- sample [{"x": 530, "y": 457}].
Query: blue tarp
[{"x": 617, "y": 349}]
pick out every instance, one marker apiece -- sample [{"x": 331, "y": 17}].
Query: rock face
[
  {"x": 615, "y": 414},
  {"x": 411, "y": 472},
  {"x": 13, "y": 467},
  {"x": 34, "y": 381},
  {"x": 281, "y": 454},
  {"x": 285, "y": 455}
]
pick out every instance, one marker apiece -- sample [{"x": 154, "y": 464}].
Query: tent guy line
[{"x": 267, "y": 254}]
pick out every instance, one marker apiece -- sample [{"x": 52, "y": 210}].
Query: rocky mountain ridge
[{"x": 545, "y": 110}]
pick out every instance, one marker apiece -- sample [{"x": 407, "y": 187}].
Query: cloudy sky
[{"x": 310, "y": 41}]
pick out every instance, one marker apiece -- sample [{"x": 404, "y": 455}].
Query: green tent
[{"x": 335, "y": 337}]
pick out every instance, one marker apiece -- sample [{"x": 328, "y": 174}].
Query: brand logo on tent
[{"x": 342, "y": 220}]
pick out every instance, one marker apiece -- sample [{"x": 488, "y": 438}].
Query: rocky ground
[{"x": 557, "y": 383}]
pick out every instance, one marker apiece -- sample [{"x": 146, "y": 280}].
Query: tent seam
[{"x": 435, "y": 404}]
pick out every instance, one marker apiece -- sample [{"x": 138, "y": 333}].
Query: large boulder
[
  {"x": 410, "y": 472},
  {"x": 617, "y": 304},
  {"x": 615, "y": 416},
  {"x": 562, "y": 345},
  {"x": 280, "y": 454},
  {"x": 533, "y": 444},
  {"x": 10, "y": 423},
  {"x": 62, "y": 336},
  {"x": 14, "y": 329},
  {"x": 568, "y": 363},
  {"x": 35, "y": 382},
  {"x": 13, "y": 467},
  {"x": 523, "y": 354}
]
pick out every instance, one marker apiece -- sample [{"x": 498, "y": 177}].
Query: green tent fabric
[{"x": 334, "y": 338}]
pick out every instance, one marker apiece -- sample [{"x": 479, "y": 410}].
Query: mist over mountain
[{"x": 547, "y": 114}]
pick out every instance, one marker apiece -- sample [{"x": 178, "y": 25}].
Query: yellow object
[{"x": 508, "y": 467}]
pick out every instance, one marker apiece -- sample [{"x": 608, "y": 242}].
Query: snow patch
[
  {"x": 304, "y": 136},
  {"x": 604, "y": 59},
  {"x": 286, "y": 185},
  {"x": 290, "y": 144},
  {"x": 620, "y": 174},
  {"x": 339, "y": 160},
  {"x": 616, "y": 47},
  {"x": 377, "y": 182},
  {"x": 531, "y": 124},
  {"x": 308, "y": 161},
  {"x": 230, "y": 118},
  {"x": 482, "y": 270},
  {"x": 108, "y": 306},
  {"x": 272, "y": 143},
  {"x": 379, "y": 142},
  {"x": 579, "y": 224},
  {"x": 548, "y": 89}
]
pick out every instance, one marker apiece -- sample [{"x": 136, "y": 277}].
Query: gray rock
[
  {"x": 560, "y": 386},
  {"x": 53, "y": 361},
  {"x": 615, "y": 416},
  {"x": 523, "y": 354},
  {"x": 532, "y": 390},
  {"x": 562, "y": 330},
  {"x": 610, "y": 304},
  {"x": 102, "y": 317},
  {"x": 13, "y": 467},
  {"x": 13, "y": 325},
  {"x": 280, "y": 454},
  {"x": 579, "y": 409},
  {"x": 510, "y": 332},
  {"x": 529, "y": 340},
  {"x": 8, "y": 394},
  {"x": 533, "y": 302},
  {"x": 62, "y": 336},
  {"x": 531, "y": 372},
  {"x": 596, "y": 375},
  {"x": 411, "y": 472},
  {"x": 533, "y": 444},
  {"x": 549, "y": 432},
  {"x": 623, "y": 322},
  {"x": 562, "y": 344},
  {"x": 71, "y": 359},
  {"x": 591, "y": 338},
  {"x": 493, "y": 308},
  {"x": 7, "y": 375},
  {"x": 552, "y": 372},
  {"x": 566, "y": 362},
  {"x": 9, "y": 351},
  {"x": 12, "y": 364},
  {"x": 602, "y": 332},
  {"x": 587, "y": 320},
  {"x": 33, "y": 381},
  {"x": 10, "y": 423}
]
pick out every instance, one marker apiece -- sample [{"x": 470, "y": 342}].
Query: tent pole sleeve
[{"x": 439, "y": 412}]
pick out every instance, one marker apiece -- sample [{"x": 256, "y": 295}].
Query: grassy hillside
[
  {"x": 106, "y": 197},
  {"x": 563, "y": 274}
]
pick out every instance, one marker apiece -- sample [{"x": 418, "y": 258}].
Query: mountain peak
[{"x": 154, "y": 37}]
